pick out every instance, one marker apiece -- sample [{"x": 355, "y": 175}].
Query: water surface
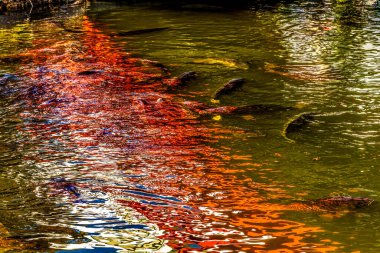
[{"x": 113, "y": 161}]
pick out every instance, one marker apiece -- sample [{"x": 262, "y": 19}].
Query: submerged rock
[{"x": 229, "y": 87}]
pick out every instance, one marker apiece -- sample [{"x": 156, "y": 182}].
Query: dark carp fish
[
  {"x": 336, "y": 204},
  {"x": 229, "y": 87},
  {"x": 67, "y": 186},
  {"x": 4, "y": 79},
  {"x": 141, "y": 31},
  {"x": 181, "y": 80},
  {"x": 296, "y": 123},
  {"x": 247, "y": 109},
  {"x": 186, "y": 77},
  {"x": 342, "y": 202}
]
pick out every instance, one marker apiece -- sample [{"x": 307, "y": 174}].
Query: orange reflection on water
[{"x": 120, "y": 107}]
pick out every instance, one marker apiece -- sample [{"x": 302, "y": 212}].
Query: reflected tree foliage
[{"x": 349, "y": 11}]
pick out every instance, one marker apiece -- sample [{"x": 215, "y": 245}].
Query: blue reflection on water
[{"x": 153, "y": 195}]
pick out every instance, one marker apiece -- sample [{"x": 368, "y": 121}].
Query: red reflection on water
[{"x": 104, "y": 98}]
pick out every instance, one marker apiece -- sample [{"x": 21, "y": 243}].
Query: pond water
[{"x": 98, "y": 154}]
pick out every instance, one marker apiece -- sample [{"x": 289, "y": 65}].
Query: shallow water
[{"x": 114, "y": 161}]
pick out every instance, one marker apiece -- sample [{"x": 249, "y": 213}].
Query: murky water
[{"x": 98, "y": 154}]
